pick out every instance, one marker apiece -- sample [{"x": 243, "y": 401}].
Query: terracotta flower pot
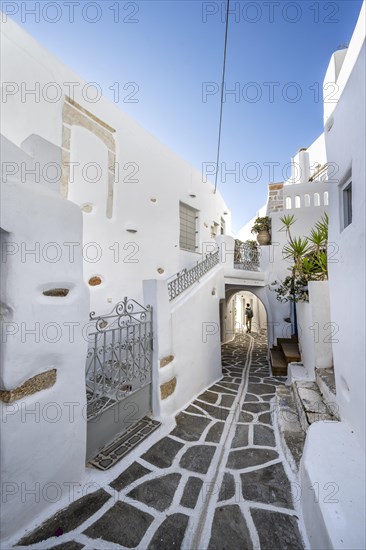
[{"x": 263, "y": 237}]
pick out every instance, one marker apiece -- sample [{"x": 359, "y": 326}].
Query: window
[
  {"x": 214, "y": 230},
  {"x": 347, "y": 203},
  {"x": 222, "y": 226},
  {"x": 188, "y": 227},
  {"x": 297, "y": 201},
  {"x": 316, "y": 199},
  {"x": 325, "y": 198},
  {"x": 288, "y": 203},
  {"x": 307, "y": 200}
]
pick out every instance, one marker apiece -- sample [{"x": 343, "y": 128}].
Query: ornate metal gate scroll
[{"x": 119, "y": 358}]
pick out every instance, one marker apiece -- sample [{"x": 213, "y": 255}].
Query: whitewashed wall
[
  {"x": 43, "y": 434},
  {"x": 306, "y": 338},
  {"x": 187, "y": 330},
  {"x": 150, "y": 179},
  {"x": 230, "y": 327},
  {"x": 196, "y": 337},
  {"x": 345, "y": 142},
  {"x": 317, "y": 333}
]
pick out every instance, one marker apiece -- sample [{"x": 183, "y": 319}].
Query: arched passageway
[{"x": 232, "y": 313}]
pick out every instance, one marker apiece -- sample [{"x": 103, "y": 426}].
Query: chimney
[{"x": 301, "y": 167}]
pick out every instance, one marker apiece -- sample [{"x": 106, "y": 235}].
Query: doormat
[{"x": 124, "y": 443}]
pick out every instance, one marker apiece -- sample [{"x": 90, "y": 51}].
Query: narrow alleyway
[{"x": 216, "y": 481}]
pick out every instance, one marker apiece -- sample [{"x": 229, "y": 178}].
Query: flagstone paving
[{"x": 217, "y": 481}]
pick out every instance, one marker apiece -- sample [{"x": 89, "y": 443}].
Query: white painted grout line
[
  {"x": 98, "y": 544},
  {"x": 250, "y": 435},
  {"x": 245, "y": 510},
  {"x": 200, "y": 538}
]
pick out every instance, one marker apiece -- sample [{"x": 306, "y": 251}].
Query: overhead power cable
[{"x": 222, "y": 93}]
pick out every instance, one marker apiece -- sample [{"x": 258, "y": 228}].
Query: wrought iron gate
[{"x": 119, "y": 358}]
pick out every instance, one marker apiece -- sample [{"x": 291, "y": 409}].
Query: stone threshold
[
  {"x": 124, "y": 443},
  {"x": 310, "y": 404}
]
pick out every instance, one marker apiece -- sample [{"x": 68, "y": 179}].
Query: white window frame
[
  {"x": 346, "y": 203},
  {"x": 188, "y": 227},
  {"x": 222, "y": 226},
  {"x": 214, "y": 230}
]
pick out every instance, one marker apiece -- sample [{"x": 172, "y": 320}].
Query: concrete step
[
  {"x": 292, "y": 340},
  {"x": 291, "y": 352},
  {"x": 278, "y": 362},
  {"x": 326, "y": 382},
  {"x": 291, "y": 433},
  {"x": 310, "y": 404},
  {"x": 296, "y": 371}
]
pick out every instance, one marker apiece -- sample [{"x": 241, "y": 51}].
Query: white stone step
[
  {"x": 296, "y": 371},
  {"x": 310, "y": 404},
  {"x": 326, "y": 383},
  {"x": 291, "y": 433}
]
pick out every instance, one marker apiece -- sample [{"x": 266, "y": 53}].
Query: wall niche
[
  {"x": 95, "y": 281},
  {"x": 56, "y": 292}
]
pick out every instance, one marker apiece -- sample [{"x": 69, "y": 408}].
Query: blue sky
[{"x": 172, "y": 52}]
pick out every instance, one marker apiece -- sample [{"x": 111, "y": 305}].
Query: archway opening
[{"x": 233, "y": 315}]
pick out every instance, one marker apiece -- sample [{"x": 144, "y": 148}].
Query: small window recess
[{"x": 346, "y": 203}]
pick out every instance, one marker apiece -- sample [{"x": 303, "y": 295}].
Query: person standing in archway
[{"x": 248, "y": 317}]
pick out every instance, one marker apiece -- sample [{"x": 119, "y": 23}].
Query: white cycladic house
[
  {"x": 44, "y": 306},
  {"x": 334, "y": 453},
  {"x": 129, "y": 186},
  {"x": 345, "y": 143}
]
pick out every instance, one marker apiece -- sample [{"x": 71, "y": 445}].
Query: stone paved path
[{"x": 216, "y": 481}]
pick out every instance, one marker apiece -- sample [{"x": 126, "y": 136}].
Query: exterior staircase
[
  {"x": 300, "y": 405},
  {"x": 286, "y": 351}
]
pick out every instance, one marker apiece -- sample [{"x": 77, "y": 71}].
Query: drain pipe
[{"x": 294, "y": 316}]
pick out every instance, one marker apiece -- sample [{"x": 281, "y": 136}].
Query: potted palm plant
[
  {"x": 261, "y": 228},
  {"x": 308, "y": 258}
]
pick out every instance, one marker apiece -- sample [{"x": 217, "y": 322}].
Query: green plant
[
  {"x": 291, "y": 289},
  {"x": 261, "y": 224},
  {"x": 308, "y": 256},
  {"x": 239, "y": 250},
  {"x": 252, "y": 244}
]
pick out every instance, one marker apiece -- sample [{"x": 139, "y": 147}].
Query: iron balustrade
[
  {"x": 187, "y": 277},
  {"x": 119, "y": 357},
  {"x": 246, "y": 257},
  {"x": 320, "y": 174}
]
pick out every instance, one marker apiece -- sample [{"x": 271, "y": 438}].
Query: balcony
[
  {"x": 241, "y": 261},
  {"x": 246, "y": 256}
]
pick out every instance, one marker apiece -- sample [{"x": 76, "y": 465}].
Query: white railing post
[{"x": 226, "y": 246}]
